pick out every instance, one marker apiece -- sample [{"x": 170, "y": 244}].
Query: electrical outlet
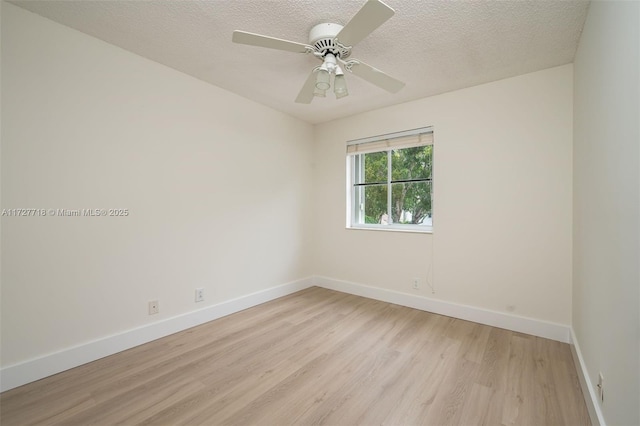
[
  {"x": 416, "y": 283},
  {"x": 154, "y": 307},
  {"x": 199, "y": 294},
  {"x": 601, "y": 387}
]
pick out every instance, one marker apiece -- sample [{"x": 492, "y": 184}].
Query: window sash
[{"x": 356, "y": 194}]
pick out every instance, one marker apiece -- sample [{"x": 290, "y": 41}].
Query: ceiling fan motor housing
[{"x": 322, "y": 37}]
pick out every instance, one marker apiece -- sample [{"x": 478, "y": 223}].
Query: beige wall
[
  {"x": 502, "y": 199},
  {"x": 606, "y": 281},
  {"x": 217, "y": 188}
]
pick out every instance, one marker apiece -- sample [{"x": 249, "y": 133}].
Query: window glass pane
[
  {"x": 412, "y": 163},
  {"x": 371, "y": 204},
  {"x": 375, "y": 167},
  {"x": 411, "y": 203}
]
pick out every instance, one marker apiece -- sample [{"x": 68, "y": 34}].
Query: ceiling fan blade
[
  {"x": 252, "y": 39},
  {"x": 375, "y": 76},
  {"x": 306, "y": 93},
  {"x": 373, "y": 14}
]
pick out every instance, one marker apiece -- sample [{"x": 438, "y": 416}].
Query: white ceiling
[{"x": 433, "y": 46}]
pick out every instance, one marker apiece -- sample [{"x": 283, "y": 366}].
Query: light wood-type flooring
[{"x": 317, "y": 357}]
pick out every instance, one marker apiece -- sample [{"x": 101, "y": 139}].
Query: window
[{"x": 391, "y": 181}]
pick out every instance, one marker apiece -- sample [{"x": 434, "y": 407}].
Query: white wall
[
  {"x": 606, "y": 282},
  {"x": 502, "y": 199},
  {"x": 217, "y": 188}
]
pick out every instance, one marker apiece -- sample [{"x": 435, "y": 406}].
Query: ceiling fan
[{"x": 332, "y": 44}]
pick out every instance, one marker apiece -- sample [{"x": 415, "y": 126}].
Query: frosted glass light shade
[
  {"x": 322, "y": 80},
  {"x": 340, "y": 86}
]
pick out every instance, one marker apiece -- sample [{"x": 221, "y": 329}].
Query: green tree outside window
[{"x": 394, "y": 186}]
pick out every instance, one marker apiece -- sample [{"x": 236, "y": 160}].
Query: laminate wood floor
[{"x": 317, "y": 357}]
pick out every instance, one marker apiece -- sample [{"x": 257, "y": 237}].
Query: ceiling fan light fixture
[
  {"x": 323, "y": 79},
  {"x": 340, "y": 86}
]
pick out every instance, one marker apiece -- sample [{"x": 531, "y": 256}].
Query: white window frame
[{"x": 406, "y": 139}]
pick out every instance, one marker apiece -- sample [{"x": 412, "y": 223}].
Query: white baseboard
[
  {"x": 589, "y": 393},
  {"x": 526, "y": 325},
  {"x": 25, "y": 372},
  {"x": 28, "y": 371}
]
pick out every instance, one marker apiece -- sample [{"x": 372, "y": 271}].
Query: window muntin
[{"x": 391, "y": 183}]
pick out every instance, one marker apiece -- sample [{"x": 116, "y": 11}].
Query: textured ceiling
[{"x": 433, "y": 46}]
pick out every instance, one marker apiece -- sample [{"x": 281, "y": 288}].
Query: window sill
[{"x": 390, "y": 228}]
